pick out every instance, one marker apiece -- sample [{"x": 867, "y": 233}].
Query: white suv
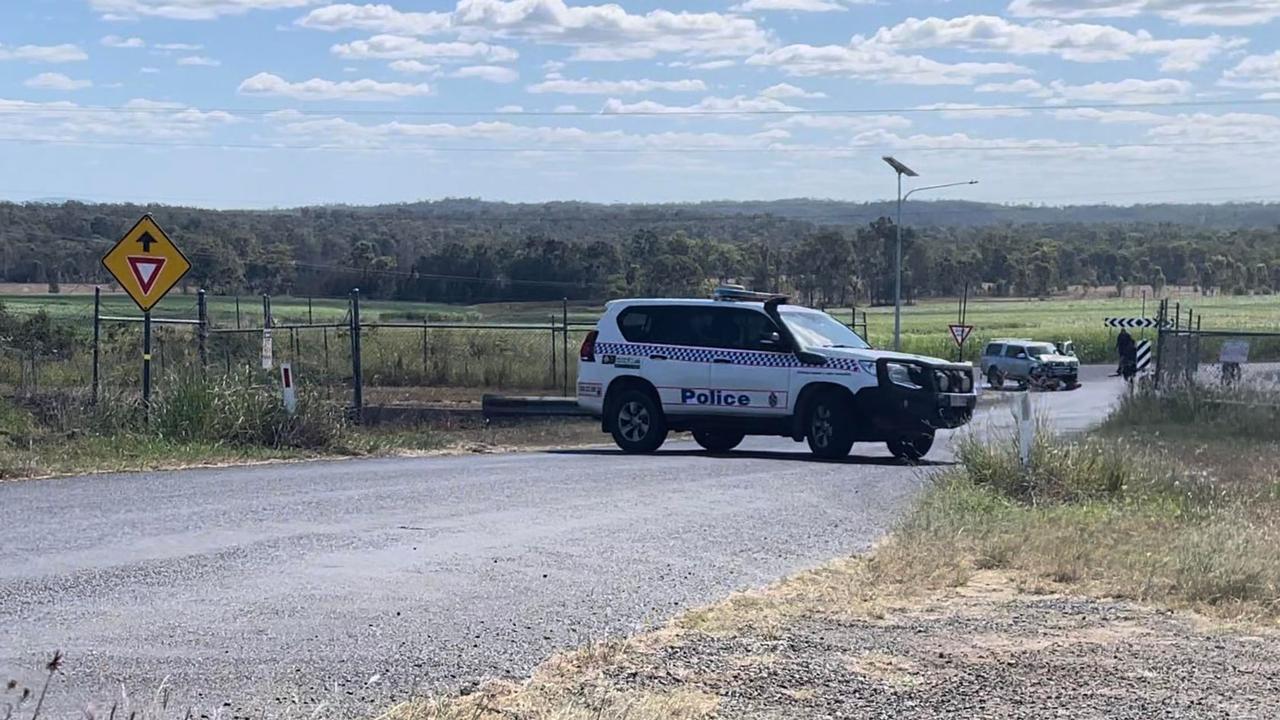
[{"x": 746, "y": 364}]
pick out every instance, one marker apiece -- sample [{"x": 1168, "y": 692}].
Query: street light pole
[{"x": 901, "y": 170}]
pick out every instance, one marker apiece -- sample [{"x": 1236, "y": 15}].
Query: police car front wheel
[
  {"x": 829, "y": 427},
  {"x": 718, "y": 441},
  {"x": 638, "y": 423}
]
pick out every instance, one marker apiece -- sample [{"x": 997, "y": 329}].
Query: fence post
[
  {"x": 565, "y": 315},
  {"x": 202, "y": 330},
  {"x": 97, "y": 343},
  {"x": 555, "y": 370},
  {"x": 266, "y": 311},
  {"x": 357, "y": 372},
  {"x": 146, "y": 366},
  {"x": 237, "y": 312},
  {"x": 35, "y": 374},
  {"x": 424, "y": 352}
]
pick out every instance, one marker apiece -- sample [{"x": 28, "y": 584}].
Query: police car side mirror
[
  {"x": 1022, "y": 356},
  {"x": 772, "y": 341}
]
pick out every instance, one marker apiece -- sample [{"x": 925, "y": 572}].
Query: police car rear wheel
[
  {"x": 829, "y": 428},
  {"x": 912, "y": 448},
  {"x": 638, "y": 423},
  {"x": 718, "y": 441}
]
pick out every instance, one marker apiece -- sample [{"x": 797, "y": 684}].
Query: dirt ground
[{"x": 988, "y": 649}]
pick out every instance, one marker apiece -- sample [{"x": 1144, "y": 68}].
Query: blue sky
[{"x": 262, "y": 103}]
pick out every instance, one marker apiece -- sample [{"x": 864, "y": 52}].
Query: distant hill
[{"x": 930, "y": 213}]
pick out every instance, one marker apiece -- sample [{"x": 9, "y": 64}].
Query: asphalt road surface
[{"x": 268, "y": 591}]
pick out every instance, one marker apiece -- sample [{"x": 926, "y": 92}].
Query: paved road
[{"x": 356, "y": 583}]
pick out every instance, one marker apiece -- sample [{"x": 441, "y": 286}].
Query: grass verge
[{"x": 230, "y": 420}]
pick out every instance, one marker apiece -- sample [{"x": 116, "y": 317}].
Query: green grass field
[{"x": 522, "y": 359}]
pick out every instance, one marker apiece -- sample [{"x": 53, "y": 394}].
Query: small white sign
[
  {"x": 1235, "y": 351},
  {"x": 287, "y": 389},
  {"x": 1026, "y": 429},
  {"x": 268, "y": 356}
]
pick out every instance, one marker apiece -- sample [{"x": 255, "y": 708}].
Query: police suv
[{"x": 750, "y": 364}]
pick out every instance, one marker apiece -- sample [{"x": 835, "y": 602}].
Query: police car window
[
  {"x": 636, "y": 324},
  {"x": 1012, "y": 351},
  {"x": 668, "y": 325},
  {"x": 820, "y": 330},
  {"x": 741, "y": 329},
  {"x": 992, "y": 349}
]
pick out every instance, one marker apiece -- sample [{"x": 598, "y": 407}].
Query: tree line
[{"x": 465, "y": 251}]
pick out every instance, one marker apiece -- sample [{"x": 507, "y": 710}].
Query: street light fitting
[{"x": 899, "y": 167}]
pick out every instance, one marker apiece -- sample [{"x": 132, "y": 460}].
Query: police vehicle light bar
[{"x": 730, "y": 293}]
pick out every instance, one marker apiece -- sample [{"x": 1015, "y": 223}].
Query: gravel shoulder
[{"x": 993, "y": 647}]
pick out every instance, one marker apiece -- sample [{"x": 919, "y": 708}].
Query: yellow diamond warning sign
[{"x": 146, "y": 263}]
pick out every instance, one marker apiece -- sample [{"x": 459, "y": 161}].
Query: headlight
[
  {"x": 901, "y": 375},
  {"x": 868, "y": 366}
]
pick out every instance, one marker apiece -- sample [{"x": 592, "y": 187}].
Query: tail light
[{"x": 587, "y": 353}]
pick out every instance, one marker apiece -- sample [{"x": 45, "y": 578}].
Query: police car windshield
[
  {"x": 1037, "y": 351},
  {"x": 820, "y": 330}
]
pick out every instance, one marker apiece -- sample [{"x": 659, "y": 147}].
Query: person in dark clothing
[{"x": 1127, "y": 349}]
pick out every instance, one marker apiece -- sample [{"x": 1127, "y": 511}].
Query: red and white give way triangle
[{"x": 146, "y": 270}]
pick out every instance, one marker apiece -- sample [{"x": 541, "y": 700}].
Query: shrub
[
  {"x": 1060, "y": 470},
  {"x": 233, "y": 410}
]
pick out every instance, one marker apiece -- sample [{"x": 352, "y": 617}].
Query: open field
[{"x": 529, "y": 358}]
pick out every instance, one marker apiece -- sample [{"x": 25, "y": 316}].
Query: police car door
[
  {"x": 676, "y": 359},
  {"x": 750, "y": 372}
]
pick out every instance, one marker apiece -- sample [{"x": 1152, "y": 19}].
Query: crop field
[{"x": 529, "y": 358}]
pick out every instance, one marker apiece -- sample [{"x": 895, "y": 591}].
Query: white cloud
[
  {"x": 790, "y": 6},
  {"x": 138, "y": 118},
  {"x": 412, "y": 67},
  {"x": 490, "y": 73},
  {"x": 179, "y": 47},
  {"x": 704, "y": 65},
  {"x": 376, "y": 19},
  {"x": 187, "y": 9},
  {"x": 1075, "y": 42},
  {"x": 1255, "y": 71},
  {"x": 866, "y": 61},
  {"x": 968, "y": 111},
  {"x": 408, "y": 136},
  {"x": 396, "y": 47},
  {"x": 856, "y": 123},
  {"x": 614, "y": 87},
  {"x": 43, "y": 53},
  {"x": 320, "y": 89},
  {"x": 511, "y": 109},
  {"x": 1133, "y": 91},
  {"x": 1186, "y": 12},
  {"x": 1025, "y": 86},
  {"x": 609, "y": 32},
  {"x": 785, "y": 90},
  {"x": 115, "y": 41},
  {"x": 149, "y": 70},
  {"x": 1124, "y": 91},
  {"x": 56, "y": 81},
  {"x": 736, "y": 104},
  {"x": 199, "y": 60},
  {"x": 1112, "y": 117},
  {"x": 596, "y": 32}
]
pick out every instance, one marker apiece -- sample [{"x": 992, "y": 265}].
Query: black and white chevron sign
[
  {"x": 1131, "y": 322},
  {"x": 1144, "y": 355}
]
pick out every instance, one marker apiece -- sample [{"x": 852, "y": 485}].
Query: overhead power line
[
  {"x": 1030, "y": 147},
  {"x": 675, "y": 112}
]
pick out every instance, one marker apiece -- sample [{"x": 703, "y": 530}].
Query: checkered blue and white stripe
[{"x": 682, "y": 353}]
